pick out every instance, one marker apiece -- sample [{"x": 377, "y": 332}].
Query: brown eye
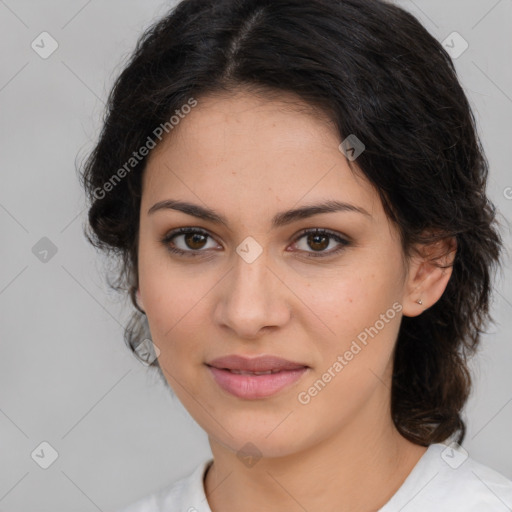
[
  {"x": 318, "y": 240},
  {"x": 187, "y": 242},
  {"x": 195, "y": 240}
]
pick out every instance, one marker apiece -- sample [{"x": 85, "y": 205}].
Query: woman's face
[{"x": 255, "y": 284}]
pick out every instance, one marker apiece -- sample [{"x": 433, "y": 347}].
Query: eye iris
[
  {"x": 317, "y": 242},
  {"x": 191, "y": 239}
]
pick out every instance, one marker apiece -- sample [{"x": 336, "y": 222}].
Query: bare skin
[{"x": 248, "y": 159}]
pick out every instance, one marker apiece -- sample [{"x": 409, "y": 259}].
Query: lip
[
  {"x": 252, "y": 387},
  {"x": 261, "y": 363}
]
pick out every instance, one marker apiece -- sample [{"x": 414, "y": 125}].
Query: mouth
[
  {"x": 242, "y": 372},
  {"x": 252, "y": 385},
  {"x": 263, "y": 364}
]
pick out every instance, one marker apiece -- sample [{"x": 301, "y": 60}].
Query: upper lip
[{"x": 262, "y": 363}]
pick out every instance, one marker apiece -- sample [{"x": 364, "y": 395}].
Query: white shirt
[{"x": 445, "y": 479}]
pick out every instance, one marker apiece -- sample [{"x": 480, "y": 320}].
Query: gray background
[{"x": 66, "y": 376}]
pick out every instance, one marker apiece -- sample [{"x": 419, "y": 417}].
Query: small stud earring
[{"x": 419, "y": 301}]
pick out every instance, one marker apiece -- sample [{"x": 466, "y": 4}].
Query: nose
[{"x": 253, "y": 299}]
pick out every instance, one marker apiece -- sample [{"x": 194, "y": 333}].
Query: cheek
[
  {"x": 362, "y": 307},
  {"x": 354, "y": 362},
  {"x": 171, "y": 299},
  {"x": 175, "y": 305},
  {"x": 169, "y": 290},
  {"x": 356, "y": 298}
]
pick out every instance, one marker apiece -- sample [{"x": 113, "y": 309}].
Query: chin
[{"x": 254, "y": 435}]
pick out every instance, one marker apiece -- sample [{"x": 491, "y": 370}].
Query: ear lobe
[{"x": 430, "y": 270}]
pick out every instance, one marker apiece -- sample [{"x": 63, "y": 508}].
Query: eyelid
[{"x": 332, "y": 233}]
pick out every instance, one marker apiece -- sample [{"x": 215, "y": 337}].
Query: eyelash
[{"x": 166, "y": 241}]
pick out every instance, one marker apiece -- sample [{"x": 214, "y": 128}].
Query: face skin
[{"x": 249, "y": 159}]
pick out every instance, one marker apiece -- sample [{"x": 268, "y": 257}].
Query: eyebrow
[{"x": 279, "y": 220}]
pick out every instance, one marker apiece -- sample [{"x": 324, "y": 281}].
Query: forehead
[{"x": 251, "y": 153}]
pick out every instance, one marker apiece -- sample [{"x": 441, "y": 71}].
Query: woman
[{"x": 297, "y": 194}]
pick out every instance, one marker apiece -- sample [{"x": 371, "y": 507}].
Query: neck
[{"x": 358, "y": 469}]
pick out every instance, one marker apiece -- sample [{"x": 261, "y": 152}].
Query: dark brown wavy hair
[{"x": 376, "y": 72}]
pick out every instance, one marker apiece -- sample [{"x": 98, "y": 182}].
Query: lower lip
[{"x": 251, "y": 387}]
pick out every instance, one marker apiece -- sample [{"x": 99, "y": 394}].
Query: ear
[{"x": 430, "y": 269}]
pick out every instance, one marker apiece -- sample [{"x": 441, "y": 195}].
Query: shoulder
[
  {"x": 446, "y": 478},
  {"x": 185, "y": 495},
  {"x": 471, "y": 483}
]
